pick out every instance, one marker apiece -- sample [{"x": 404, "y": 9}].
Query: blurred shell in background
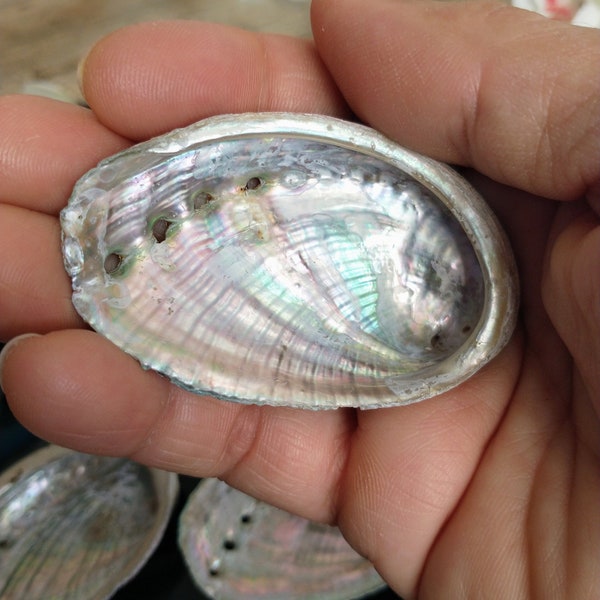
[
  {"x": 76, "y": 526},
  {"x": 237, "y": 547}
]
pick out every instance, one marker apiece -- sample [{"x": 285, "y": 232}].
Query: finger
[
  {"x": 45, "y": 146},
  {"x": 78, "y": 390},
  {"x": 35, "y": 291},
  {"x": 571, "y": 290},
  {"x": 410, "y": 466},
  {"x": 527, "y": 220},
  {"x": 152, "y": 77},
  {"x": 513, "y": 94}
]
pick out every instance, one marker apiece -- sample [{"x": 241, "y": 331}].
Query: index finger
[{"x": 140, "y": 83}]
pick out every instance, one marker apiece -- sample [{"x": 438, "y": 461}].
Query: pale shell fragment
[
  {"x": 76, "y": 526},
  {"x": 292, "y": 260},
  {"x": 238, "y": 547}
]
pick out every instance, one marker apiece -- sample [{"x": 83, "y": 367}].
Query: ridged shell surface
[
  {"x": 291, "y": 260},
  {"x": 237, "y": 547},
  {"x": 77, "y": 527}
]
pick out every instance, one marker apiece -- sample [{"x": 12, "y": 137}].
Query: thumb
[
  {"x": 571, "y": 290},
  {"x": 511, "y": 93}
]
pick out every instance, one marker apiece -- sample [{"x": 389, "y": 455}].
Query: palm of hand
[
  {"x": 488, "y": 487},
  {"x": 537, "y": 481}
]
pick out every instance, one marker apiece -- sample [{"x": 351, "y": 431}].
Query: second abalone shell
[
  {"x": 291, "y": 260},
  {"x": 237, "y": 547}
]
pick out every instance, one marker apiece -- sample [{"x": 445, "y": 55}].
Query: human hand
[{"x": 490, "y": 490}]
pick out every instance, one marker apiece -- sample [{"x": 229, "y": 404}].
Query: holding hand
[{"x": 490, "y": 490}]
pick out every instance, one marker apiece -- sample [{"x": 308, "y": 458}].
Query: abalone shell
[
  {"x": 292, "y": 260},
  {"x": 77, "y": 527},
  {"x": 238, "y": 547}
]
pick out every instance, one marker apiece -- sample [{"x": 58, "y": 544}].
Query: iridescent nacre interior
[
  {"x": 238, "y": 547},
  {"x": 274, "y": 268},
  {"x": 76, "y": 526}
]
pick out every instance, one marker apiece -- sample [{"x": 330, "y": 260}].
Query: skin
[{"x": 491, "y": 490}]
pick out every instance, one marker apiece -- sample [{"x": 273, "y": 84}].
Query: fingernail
[
  {"x": 10, "y": 346},
  {"x": 81, "y": 71}
]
